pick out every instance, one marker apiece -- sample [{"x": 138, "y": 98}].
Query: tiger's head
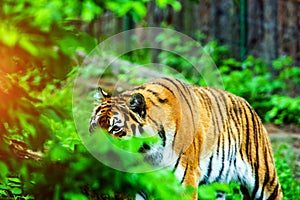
[
  {"x": 126, "y": 116},
  {"x": 157, "y": 109},
  {"x": 121, "y": 116}
]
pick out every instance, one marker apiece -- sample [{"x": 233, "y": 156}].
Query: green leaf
[
  {"x": 16, "y": 191},
  {"x": 4, "y": 187},
  {"x": 90, "y": 10},
  {"x": 140, "y": 9},
  {"x": 176, "y": 6},
  {"x": 15, "y": 180},
  {"x": 73, "y": 196},
  {"x": 28, "y": 46},
  {"x": 3, "y": 171},
  {"x": 8, "y": 35},
  {"x": 59, "y": 153},
  {"x": 206, "y": 192},
  {"x": 162, "y": 3}
]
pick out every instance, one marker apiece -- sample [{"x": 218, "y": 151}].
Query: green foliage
[
  {"x": 270, "y": 90},
  {"x": 284, "y": 109},
  {"x": 163, "y": 4},
  {"x": 65, "y": 163},
  {"x": 268, "y": 94},
  {"x": 13, "y": 189},
  {"x": 137, "y": 9},
  {"x": 135, "y": 143},
  {"x": 190, "y": 60},
  {"x": 285, "y": 160},
  {"x": 209, "y": 192}
]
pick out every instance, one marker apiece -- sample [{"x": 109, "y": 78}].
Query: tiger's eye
[{"x": 115, "y": 128}]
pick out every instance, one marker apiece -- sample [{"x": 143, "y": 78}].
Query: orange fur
[{"x": 216, "y": 136}]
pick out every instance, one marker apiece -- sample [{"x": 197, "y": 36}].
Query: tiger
[{"x": 210, "y": 135}]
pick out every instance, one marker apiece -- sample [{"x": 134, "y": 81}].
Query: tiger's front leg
[{"x": 191, "y": 175}]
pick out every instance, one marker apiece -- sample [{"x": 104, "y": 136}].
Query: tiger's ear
[
  {"x": 101, "y": 95},
  {"x": 137, "y": 104}
]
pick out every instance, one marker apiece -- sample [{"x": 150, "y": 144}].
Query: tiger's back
[{"x": 207, "y": 135}]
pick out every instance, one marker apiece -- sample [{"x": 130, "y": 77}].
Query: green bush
[
  {"x": 285, "y": 160},
  {"x": 269, "y": 89},
  {"x": 284, "y": 110},
  {"x": 268, "y": 94}
]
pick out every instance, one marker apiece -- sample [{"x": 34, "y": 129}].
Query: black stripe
[
  {"x": 173, "y": 142},
  {"x": 143, "y": 195},
  {"x": 134, "y": 118},
  {"x": 187, "y": 102},
  {"x": 256, "y": 133},
  {"x": 163, "y": 100},
  {"x": 248, "y": 145},
  {"x": 223, "y": 158},
  {"x": 126, "y": 117},
  {"x": 185, "y": 98},
  {"x": 255, "y": 165},
  {"x": 241, "y": 134},
  {"x": 220, "y": 94},
  {"x": 141, "y": 130},
  {"x": 142, "y": 87},
  {"x": 245, "y": 192},
  {"x": 133, "y": 129},
  {"x": 214, "y": 115},
  {"x": 219, "y": 144},
  {"x": 233, "y": 113},
  {"x": 274, "y": 176},
  {"x": 177, "y": 162},
  {"x": 185, "y": 171},
  {"x": 157, "y": 96},
  {"x": 274, "y": 193},
  {"x": 162, "y": 135},
  {"x": 231, "y": 158},
  {"x": 267, "y": 174},
  {"x": 219, "y": 109},
  {"x": 153, "y": 92},
  {"x": 97, "y": 110},
  {"x": 155, "y": 122},
  {"x": 152, "y": 102},
  {"x": 107, "y": 106},
  {"x": 209, "y": 170},
  {"x": 203, "y": 182},
  {"x": 208, "y": 106},
  {"x": 237, "y": 124},
  {"x": 123, "y": 110},
  {"x": 256, "y": 184},
  {"x": 164, "y": 86},
  {"x": 187, "y": 89},
  {"x": 267, "y": 179}
]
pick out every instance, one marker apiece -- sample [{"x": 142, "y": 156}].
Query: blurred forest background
[{"x": 255, "y": 45}]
